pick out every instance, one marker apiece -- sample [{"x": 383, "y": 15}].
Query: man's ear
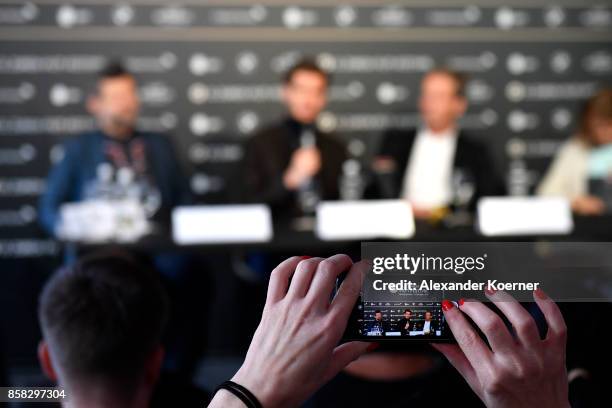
[
  {"x": 92, "y": 104},
  {"x": 283, "y": 93},
  {"x": 462, "y": 105},
  {"x": 153, "y": 366},
  {"x": 44, "y": 358}
]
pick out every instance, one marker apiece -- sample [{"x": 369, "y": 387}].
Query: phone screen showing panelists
[{"x": 402, "y": 316}]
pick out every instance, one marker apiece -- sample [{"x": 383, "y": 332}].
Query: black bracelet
[{"x": 241, "y": 393}]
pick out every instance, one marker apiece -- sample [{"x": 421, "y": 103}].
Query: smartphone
[{"x": 397, "y": 317}]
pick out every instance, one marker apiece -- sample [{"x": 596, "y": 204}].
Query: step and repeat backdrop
[{"x": 209, "y": 77}]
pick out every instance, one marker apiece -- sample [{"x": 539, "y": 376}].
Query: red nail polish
[
  {"x": 305, "y": 257},
  {"x": 540, "y": 294},
  {"x": 372, "y": 347},
  {"x": 490, "y": 291},
  {"x": 461, "y": 302},
  {"x": 447, "y": 305}
]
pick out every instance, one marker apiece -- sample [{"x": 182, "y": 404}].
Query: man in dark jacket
[
  {"x": 117, "y": 146},
  {"x": 438, "y": 164},
  {"x": 292, "y": 165},
  {"x": 405, "y": 325},
  {"x": 146, "y": 162}
]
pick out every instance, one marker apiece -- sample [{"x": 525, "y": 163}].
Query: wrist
[
  {"x": 225, "y": 399},
  {"x": 262, "y": 386}
]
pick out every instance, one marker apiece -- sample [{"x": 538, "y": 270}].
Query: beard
[{"x": 119, "y": 123}]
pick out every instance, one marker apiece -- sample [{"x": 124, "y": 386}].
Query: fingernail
[
  {"x": 540, "y": 294},
  {"x": 372, "y": 347},
  {"x": 461, "y": 302},
  {"x": 305, "y": 257},
  {"x": 447, "y": 305},
  {"x": 490, "y": 291}
]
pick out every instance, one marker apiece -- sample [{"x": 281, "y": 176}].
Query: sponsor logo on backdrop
[
  {"x": 68, "y": 16},
  {"x": 238, "y": 16},
  {"x": 17, "y": 94},
  {"x": 122, "y": 14},
  {"x": 21, "y": 14},
  {"x": 467, "y": 16}
]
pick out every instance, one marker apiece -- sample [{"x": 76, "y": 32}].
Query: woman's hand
[
  {"x": 519, "y": 370},
  {"x": 295, "y": 348},
  {"x": 588, "y": 205}
]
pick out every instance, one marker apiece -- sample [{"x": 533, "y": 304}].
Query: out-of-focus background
[{"x": 209, "y": 76}]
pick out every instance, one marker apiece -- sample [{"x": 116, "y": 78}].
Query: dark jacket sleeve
[
  {"x": 395, "y": 145},
  {"x": 488, "y": 179},
  {"x": 333, "y": 153},
  {"x": 492, "y": 183},
  {"x": 263, "y": 183},
  {"x": 180, "y": 190},
  {"x": 59, "y": 186}
]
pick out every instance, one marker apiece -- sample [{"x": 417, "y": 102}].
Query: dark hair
[
  {"x": 598, "y": 106},
  {"x": 428, "y": 311},
  {"x": 407, "y": 310},
  {"x": 102, "y": 318},
  {"x": 459, "y": 78},
  {"x": 113, "y": 69},
  {"x": 305, "y": 64},
  {"x": 377, "y": 311}
]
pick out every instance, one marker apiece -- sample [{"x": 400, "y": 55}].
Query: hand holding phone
[{"x": 512, "y": 370}]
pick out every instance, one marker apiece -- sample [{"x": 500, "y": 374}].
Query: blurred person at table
[
  {"x": 116, "y": 148},
  {"x": 428, "y": 166},
  {"x": 293, "y": 164},
  {"x": 583, "y": 164}
]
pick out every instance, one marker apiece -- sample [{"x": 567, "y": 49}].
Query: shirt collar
[{"x": 452, "y": 132}]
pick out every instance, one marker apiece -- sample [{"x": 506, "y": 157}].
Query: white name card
[
  {"x": 369, "y": 219},
  {"x": 507, "y": 216},
  {"x": 222, "y": 224}
]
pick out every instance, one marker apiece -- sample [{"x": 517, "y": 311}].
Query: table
[{"x": 288, "y": 240}]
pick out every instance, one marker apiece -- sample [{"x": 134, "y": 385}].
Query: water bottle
[{"x": 351, "y": 180}]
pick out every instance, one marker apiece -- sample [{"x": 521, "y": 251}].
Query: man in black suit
[
  {"x": 439, "y": 163},
  {"x": 405, "y": 325},
  {"x": 291, "y": 165}
]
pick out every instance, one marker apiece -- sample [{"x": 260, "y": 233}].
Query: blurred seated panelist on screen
[
  {"x": 117, "y": 170},
  {"x": 292, "y": 165},
  {"x": 582, "y": 168},
  {"x": 438, "y": 165}
]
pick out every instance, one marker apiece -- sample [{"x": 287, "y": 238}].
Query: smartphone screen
[{"x": 398, "y": 316}]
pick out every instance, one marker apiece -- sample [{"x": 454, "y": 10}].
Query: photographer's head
[
  {"x": 114, "y": 102},
  {"x": 427, "y": 316},
  {"x": 378, "y": 315},
  {"x": 407, "y": 313},
  {"x": 305, "y": 90},
  {"x": 102, "y": 321},
  {"x": 442, "y": 101}
]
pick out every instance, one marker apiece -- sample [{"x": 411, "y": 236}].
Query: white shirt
[
  {"x": 427, "y": 178},
  {"x": 427, "y": 326}
]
